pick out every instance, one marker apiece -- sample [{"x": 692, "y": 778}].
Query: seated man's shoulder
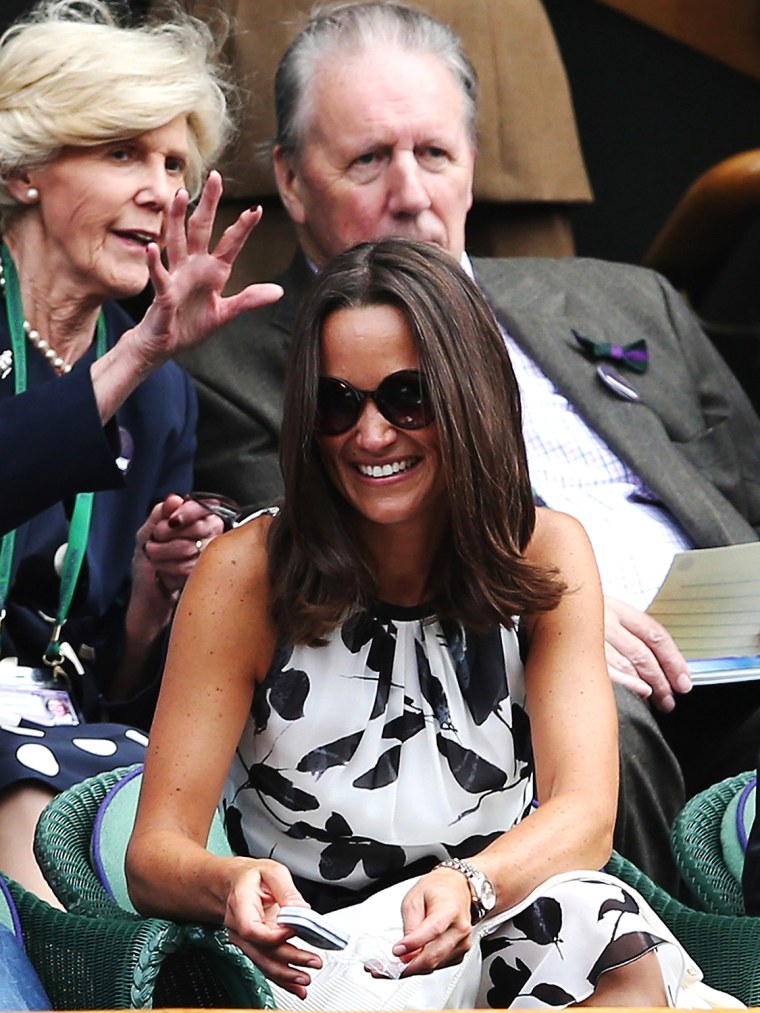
[{"x": 563, "y": 271}]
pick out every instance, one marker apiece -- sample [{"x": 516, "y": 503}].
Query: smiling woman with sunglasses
[{"x": 381, "y": 678}]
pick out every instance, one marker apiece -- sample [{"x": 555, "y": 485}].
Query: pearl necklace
[{"x": 41, "y": 344}]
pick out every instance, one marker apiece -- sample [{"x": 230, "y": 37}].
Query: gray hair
[
  {"x": 72, "y": 75},
  {"x": 361, "y": 26}
]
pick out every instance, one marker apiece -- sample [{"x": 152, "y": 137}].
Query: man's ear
[{"x": 288, "y": 184}]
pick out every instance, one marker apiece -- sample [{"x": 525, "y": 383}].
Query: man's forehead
[
  {"x": 376, "y": 134},
  {"x": 414, "y": 98}
]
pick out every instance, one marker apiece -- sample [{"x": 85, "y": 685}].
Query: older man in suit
[{"x": 376, "y": 136}]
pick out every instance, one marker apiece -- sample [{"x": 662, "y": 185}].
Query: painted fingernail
[{"x": 175, "y": 522}]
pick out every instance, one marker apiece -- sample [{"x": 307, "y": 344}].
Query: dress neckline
[{"x": 386, "y": 610}]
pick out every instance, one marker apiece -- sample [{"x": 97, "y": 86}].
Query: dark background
[{"x": 652, "y": 116}]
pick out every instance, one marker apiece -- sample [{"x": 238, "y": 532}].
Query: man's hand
[{"x": 642, "y": 655}]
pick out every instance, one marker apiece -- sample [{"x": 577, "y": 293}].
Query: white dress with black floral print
[{"x": 400, "y": 731}]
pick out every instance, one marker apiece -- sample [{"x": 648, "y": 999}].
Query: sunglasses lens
[
  {"x": 403, "y": 398},
  {"x": 337, "y": 406}
]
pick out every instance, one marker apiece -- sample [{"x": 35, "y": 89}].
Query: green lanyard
[{"x": 79, "y": 527}]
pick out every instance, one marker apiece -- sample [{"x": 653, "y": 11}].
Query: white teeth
[
  {"x": 384, "y": 470},
  {"x": 140, "y": 237}
]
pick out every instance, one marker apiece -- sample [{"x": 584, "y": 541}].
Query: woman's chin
[{"x": 128, "y": 285}]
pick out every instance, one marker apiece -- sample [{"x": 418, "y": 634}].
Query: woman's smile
[{"x": 389, "y": 469}]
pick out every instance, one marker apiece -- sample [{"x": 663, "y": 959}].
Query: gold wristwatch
[{"x": 481, "y": 888}]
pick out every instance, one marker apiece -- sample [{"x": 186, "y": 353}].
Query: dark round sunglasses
[{"x": 402, "y": 398}]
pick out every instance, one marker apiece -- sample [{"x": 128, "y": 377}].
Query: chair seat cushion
[
  {"x": 735, "y": 828},
  {"x": 112, "y": 829},
  {"x": 110, "y": 836}
]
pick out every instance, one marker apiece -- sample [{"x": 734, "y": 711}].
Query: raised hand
[{"x": 188, "y": 303}]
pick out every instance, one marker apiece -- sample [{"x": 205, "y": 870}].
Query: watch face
[{"x": 487, "y": 894}]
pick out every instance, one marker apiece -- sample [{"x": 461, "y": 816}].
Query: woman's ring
[{"x": 198, "y": 546}]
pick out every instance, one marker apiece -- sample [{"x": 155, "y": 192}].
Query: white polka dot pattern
[{"x": 37, "y": 757}]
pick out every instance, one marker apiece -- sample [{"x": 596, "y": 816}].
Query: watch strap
[{"x": 481, "y": 888}]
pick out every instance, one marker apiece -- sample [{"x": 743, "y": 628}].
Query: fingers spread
[{"x": 249, "y": 299}]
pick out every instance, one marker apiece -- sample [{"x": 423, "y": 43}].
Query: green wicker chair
[
  {"x": 105, "y": 963},
  {"x": 726, "y": 947},
  {"x": 91, "y": 883},
  {"x": 707, "y": 849}
]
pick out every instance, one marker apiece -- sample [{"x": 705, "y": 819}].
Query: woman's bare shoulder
[
  {"x": 238, "y": 557},
  {"x": 555, "y": 534}
]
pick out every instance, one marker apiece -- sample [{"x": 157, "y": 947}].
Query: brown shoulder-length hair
[{"x": 319, "y": 571}]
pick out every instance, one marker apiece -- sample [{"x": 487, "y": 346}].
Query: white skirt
[{"x": 547, "y": 951}]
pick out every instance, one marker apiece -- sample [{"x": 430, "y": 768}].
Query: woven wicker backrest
[
  {"x": 8, "y": 912},
  {"x": 706, "y": 847},
  {"x": 726, "y": 947},
  {"x": 80, "y": 845}
]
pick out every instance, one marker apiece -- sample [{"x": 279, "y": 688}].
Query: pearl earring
[{"x": 32, "y": 194}]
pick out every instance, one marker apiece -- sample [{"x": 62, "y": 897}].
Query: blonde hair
[{"x": 72, "y": 74}]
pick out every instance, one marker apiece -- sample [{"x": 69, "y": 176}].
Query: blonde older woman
[{"x": 106, "y": 133}]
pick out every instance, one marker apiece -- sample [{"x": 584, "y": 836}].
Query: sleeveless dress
[{"x": 405, "y": 740}]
